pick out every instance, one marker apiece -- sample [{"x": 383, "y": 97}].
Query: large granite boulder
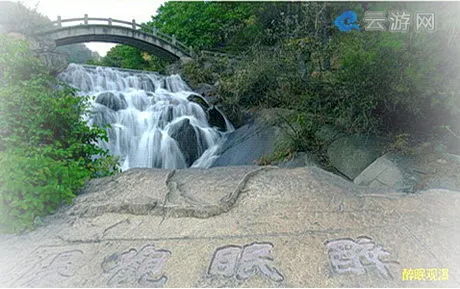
[
  {"x": 350, "y": 155},
  {"x": 254, "y": 140},
  {"x": 239, "y": 227},
  {"x": 390, "y": 171}
]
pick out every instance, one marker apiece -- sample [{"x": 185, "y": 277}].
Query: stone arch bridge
[{"x": 111, "y": 30}]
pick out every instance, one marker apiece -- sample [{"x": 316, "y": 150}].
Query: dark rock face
[
  {"x": 186, "y": 138},
  {"x": 147, "y": 84},
  {"x": 254, "y": 140},
  {"x": 215, "y": 118},
  {"x": 201, "y": 101},
  {"x": 350, "y": 155},
  {"x": 112, "y": 101},
  {"x": 102, "y": 115},
  {"x": 206, "y": 89},
  {"x": 54, "y": 61},
  {"x": 248, "y": 144}
]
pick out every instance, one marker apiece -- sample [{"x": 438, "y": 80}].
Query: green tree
[
  {"x": 365, "y": 82},
  {"x": 76, "y": 53},
  {"x": 124, "y": 56},
  {"x": 47, "y": 152},
  {"x": 205, "y": 25}
]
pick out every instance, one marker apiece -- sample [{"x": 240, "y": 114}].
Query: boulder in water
[
  {"x": 112, "y": 101},
  {"x": 186, "y": 138},
  {"x": 252, "y": 141},
  {"x": 102, "y": 115},
  {"x": 147, "y": 84},
  {"x": 246, "y": 145},
  {"x": 199, "y": 100},
  {"x": 216, "y": 119}
]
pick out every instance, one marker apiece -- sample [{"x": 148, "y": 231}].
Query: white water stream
[{"x": 152, "y": 123}]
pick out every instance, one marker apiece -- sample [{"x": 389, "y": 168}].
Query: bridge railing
[{"x": 133, "y": 25}]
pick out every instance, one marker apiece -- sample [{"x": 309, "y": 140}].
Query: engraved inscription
[
  {"x": 245, "y": 262},
  {"x": 350, "y": 256},
  {"x": 137, "y": 268},
  {"x": 54, "y": 268}
]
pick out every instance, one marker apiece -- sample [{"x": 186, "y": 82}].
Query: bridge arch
[{"x": 129, "y": 33}]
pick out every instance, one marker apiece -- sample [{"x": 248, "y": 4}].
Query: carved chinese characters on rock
[
  {"x": 245, "y": 262},
  {"x": 54, "y": 269},
  {"x": 356, "y": 257},
  {"x": 142, "y": 267}
]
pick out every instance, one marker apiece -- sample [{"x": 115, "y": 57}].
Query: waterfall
[{"x": 152, "y": 121}]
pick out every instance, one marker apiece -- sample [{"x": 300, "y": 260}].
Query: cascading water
[{"x": 153, "y": 123}]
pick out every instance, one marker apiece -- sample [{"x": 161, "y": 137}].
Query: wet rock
[
  {"x": 216, "y": 119},
  {"x": 140, "y": 101},
  {"x": 186, "y": 138},
  {"x": 199, "y": 100},
  {"x": 147, "y": 84},
  {"x": 254, "y": 140},
  {"x": 102, "y": 115},
  {"x": 112, "y": 101},
  {"x": 248, "y": 144}
]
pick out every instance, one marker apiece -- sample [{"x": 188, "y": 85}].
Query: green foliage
[
  {"x": 16, "y": 61},
  {"x": 47, "y": 151},
  {"x": 34, "y": 184},
  {"x": 251, "y": 83},
  {"x": 76, "y": 53},
  {"x": 124, "y": 56},
  {"x": 401, "y": 143},
  {"x": 204, "y": 25},
  {"x": 277, "y": 156},
  {"x": 358, "y": 82}
]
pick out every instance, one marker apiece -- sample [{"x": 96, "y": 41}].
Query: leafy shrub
[
  {"x": 47, "y": 151},
  {"x": 34, "y": 184}
]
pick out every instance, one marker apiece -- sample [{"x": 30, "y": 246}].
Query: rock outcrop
[
  {"x": 350, "y": 155},
  {"x": 239, "y": 227},
  {"x": 256, "y": 139}
]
